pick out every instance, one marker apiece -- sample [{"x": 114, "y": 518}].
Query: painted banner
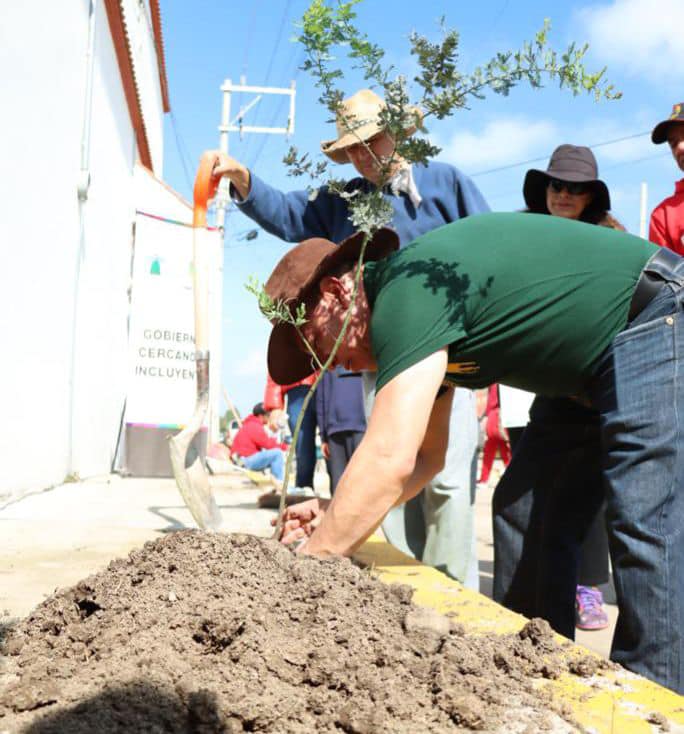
[{"x": 161, "y": 388}]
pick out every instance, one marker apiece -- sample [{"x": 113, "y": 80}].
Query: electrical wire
[
  {"x": 179, "y": 147},
  {"x": 267, "y": 77},
  {"x": 631, "y": 162},
  {"x": 279, "y": 109},
  {"x": 543, "y": 158}
]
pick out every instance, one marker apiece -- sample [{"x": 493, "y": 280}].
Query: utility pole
[
  {"x": 237, "y": 126},
  {"x": 227, "y": 126}
]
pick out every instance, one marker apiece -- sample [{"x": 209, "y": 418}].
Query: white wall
[{"x": 47, "y": 276}]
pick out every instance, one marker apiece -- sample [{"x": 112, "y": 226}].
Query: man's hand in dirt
[
  {"x": 225, "y": 165},
  {"x": 299, "y": 521}
]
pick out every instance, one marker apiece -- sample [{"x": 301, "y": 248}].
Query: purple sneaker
[{"x": 589, "y": 611}]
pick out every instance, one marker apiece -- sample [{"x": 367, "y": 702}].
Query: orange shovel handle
[{"x": 205, "y": 188}]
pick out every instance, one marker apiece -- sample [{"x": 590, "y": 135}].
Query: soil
[{"x": 231, "y": 633}]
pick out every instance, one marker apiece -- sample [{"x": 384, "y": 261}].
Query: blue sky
[{"x": 208, "y": 41}]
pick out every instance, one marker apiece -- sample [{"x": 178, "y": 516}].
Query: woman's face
[{"x": 567, "y": 200}]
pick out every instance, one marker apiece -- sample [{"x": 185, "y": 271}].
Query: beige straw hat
[{"x": 358, "y": 119}]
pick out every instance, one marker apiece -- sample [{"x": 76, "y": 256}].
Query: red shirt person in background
[
  {"x": 496, "y": 438},
  {"x": 256, "y": 448},
  {"x": 667, "y": 219}
]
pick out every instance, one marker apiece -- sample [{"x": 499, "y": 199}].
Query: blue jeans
[
  {"x": 638, "y": 391},
  {"x": 306, "y": 442},
  {"x": 266, "y": 459}
]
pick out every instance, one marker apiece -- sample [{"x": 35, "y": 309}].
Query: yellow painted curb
[{"x": 610, "y": 702}]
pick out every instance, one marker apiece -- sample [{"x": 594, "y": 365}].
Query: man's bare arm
[{"x": 404, "y": 445}]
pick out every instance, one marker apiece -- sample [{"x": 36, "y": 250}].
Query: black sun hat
[
  {"x": 570, "y": 163},
  {"x": 659, "y": 134},
  {"x": 293, "y": 279}
]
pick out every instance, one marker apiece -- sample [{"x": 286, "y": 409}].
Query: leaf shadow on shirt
[{"x": 443, "y": 279}]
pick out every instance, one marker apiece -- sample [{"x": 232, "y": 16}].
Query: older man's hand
[
  {"x": 225, "y": 165},
  {"x": 300, "y": 520}
]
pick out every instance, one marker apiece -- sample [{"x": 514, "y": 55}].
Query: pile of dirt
[{"x": 215, "y": 633}]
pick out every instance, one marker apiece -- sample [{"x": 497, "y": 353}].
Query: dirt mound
[{"x": 216, "y": 633}]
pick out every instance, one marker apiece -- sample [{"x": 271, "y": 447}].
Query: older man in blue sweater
[{"x": 437, "y": 526}]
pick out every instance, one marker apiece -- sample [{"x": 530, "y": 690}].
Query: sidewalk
[{"x": 55, "y": 538}]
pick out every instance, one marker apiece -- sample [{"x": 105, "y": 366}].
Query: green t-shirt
[{"x": 526, "y": 300}]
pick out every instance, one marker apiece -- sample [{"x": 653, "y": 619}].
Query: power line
[
  {"x": 179, "y": 147},
  {"x": 274, "y": 51},
  {"x": 634, "y": 161},
  {"x": 543, "y": 158},
  {"x": 279, "y": 108},
  {"x": 499, "y": 16}
]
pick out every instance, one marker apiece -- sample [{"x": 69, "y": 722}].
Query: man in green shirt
[{"x": 553, "y": 306}]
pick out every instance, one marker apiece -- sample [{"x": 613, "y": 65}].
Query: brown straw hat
[
  {"x": 294, "y": 278},
  {"x": 358, "y": 119},
  {"x": 659, "y": 134},
  {"x": 570, "y": 163}
]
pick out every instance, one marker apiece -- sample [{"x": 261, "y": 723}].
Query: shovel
[{"x": 188, "y": 467}]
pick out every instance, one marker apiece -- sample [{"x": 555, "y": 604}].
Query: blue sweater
[
  {"x": 447, "y": 196},
  {"x": 339, "y": 403}
]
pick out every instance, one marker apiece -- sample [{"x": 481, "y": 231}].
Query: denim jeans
[
  {"x": 266, "y": 459},
  {"x": 306, "y": 442},
  {"x": 638, "y": 391},
  {"x": 437, "y": 526}
]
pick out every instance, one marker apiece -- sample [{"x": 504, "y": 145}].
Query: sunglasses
[{"x": 572, "y": 187}]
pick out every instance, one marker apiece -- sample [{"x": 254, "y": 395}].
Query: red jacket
[
  {"x": 252, "y": 437},
  {"x": 274, "y": 396},
  {"x": 667, "y": 221},
  {"x": 493, "y": 413}
]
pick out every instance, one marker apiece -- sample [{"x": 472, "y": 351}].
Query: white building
[{"x": 84, "y": 94}]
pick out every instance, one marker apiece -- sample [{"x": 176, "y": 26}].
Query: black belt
[{"x": 652, "y": 277}]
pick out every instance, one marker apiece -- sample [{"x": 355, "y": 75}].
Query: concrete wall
[{"x": 66, "y": 265}]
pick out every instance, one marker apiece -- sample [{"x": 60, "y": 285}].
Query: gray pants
[{"x": 437, "y": 526}]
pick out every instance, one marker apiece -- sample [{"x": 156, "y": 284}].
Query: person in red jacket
[
  {"x": 256, "y": 448},
  {"x": 496, "y": 435},
  {"x": 667, "y": 219}
]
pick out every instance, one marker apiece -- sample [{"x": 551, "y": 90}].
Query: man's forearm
[
  {"x": 395, "y": 458},
  {"x": 423, "y": 473},
  {"x": 366, "y": 492}
]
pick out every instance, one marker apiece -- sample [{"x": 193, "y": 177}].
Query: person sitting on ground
[
  {"x": 256, "y": 449},
  {"x": 528, "y": 494},
  {"x": 550, "y": 305},
  {"x": 667, "y": 220}
]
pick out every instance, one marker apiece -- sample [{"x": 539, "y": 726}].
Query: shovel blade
[{"x": 192, "y": 479}]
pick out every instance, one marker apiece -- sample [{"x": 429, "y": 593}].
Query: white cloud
[
  {"x": 503, "y": 143},
  {"x": 253, "y": 364},
  {"x": 643, "y": 36},
  {"x": 601, "y": 132},
  {"x": 500, "y": 142}
]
